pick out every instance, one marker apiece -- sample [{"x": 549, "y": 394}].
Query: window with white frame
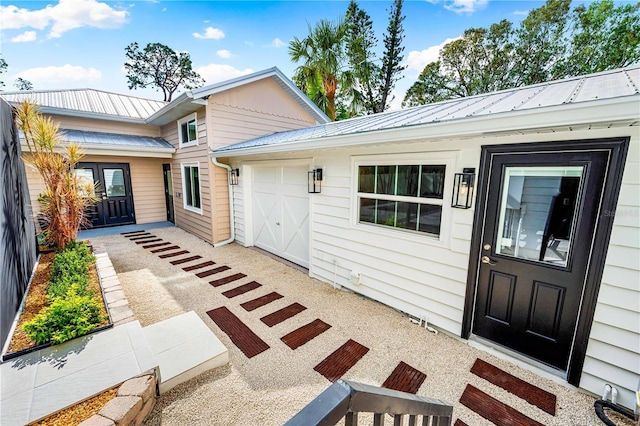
[
  {"x": 188, "y": 130},
  {"x": 191, "y": 187},
  {"x": 402, "y": 196}
]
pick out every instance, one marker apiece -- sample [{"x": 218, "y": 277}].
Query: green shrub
[
  {"x": 69, "y": 268},
  {"x": 66, "y": 318}
]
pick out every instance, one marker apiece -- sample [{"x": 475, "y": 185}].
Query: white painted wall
[{"x": 423, "y": 275}]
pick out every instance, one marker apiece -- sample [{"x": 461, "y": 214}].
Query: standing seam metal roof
[
  {"x": 604, "y": 85},
  {"x": 89, "y": 101},
  {"x": 111, "y": 139}
]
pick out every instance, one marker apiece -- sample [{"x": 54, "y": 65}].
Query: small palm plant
[{"x": 66, "y": 196}]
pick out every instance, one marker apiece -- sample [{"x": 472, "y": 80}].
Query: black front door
[
  {"x": 113, "y": 188},
  {"x": 536, "y": 242},
  {"x": 168, "y": 191}
]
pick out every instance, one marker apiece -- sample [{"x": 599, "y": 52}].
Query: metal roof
[
  {"x": 89, "y": 102},
  {"x": 113, "y": 140},
  {"x": 567, "y": 93}
]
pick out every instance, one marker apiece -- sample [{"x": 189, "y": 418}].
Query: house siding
[
  {"x": 613, "y": 352},
  {"x": 195, "y": 223},
  {"x": 239, "y": 114},
  {"x": 147, "y": 185},
  {"x": 105, "y": 126},
  {"x": 253, "y": 110},
  {"x": 430, "y": 278}
]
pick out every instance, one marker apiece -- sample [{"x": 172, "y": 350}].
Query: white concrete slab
[
  {"x": 51, "y": 379},
  {"x": 184, "y": 347}
]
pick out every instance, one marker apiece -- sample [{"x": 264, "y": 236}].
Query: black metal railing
[{"x": 345, "y": 399}]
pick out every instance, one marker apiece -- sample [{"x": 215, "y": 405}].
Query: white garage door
[{"x": 281, "y": 212}]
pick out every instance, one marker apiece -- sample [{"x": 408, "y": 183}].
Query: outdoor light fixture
[
  {"x": 463, "y": 184},
  {"x": 233, "y": 176},
  {"x": 315, "y": 181}
]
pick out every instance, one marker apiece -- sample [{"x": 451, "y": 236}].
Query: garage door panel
[
  {"x": 265, "y": 218},
  {"x": 281, "y": 212},
  {"x": 266, "y": 175}
]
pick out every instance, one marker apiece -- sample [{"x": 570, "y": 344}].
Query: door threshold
[{"x": 506, "y": 354}]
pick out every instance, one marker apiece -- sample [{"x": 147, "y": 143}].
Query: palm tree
[{"x": 322, "y": 56}]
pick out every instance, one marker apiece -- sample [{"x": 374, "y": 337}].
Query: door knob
[
  {"x": 487, "y": 247},
  {"x": 487, "y": 260}
]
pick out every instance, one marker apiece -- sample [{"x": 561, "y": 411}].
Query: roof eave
[
  {"x": 118, "y": 150},
  {"x": 592, "y": 112}
]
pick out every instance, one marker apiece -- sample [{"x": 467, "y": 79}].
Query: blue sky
[{"x": 62, "y": 44}]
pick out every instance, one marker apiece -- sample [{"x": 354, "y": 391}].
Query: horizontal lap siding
[
  {"x": 105, "y": 126},
  {"x": 416, "y": 277},
  {"x": 195, "y": 223},
  {"x": 147, "y": 186},
  {"x": 243, "y": 113},
  {"x": 613, "y": 352}
]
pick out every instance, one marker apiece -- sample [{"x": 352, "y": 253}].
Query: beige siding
[
  {"x": 253, "y": 110},
  {"x": 195, "y": 223},
  {"x": 147, "y": 185},
  {"x": 105, "y": 126},
  {"x": 239, "y": 114}
]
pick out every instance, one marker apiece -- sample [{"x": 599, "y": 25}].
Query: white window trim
[
  {"x": 184, "y": 179},
  {"x": 447, "y": 158},
  {"x": 188, "y": 118}
]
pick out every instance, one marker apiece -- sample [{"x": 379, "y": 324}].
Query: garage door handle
[{"x": 278, "y": 223}]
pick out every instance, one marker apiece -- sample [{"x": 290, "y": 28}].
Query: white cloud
[
  {"x": 224, "y": 54},
  {"x": 396, "y": 102},
  {"x": 64, "y": 16},
  {"x": 418, "y": 59},
  {"x": 214, "y": 73},
  {"x": 521, "y": 12},
  {"x": 25, "y": 37},
  {"x": 278, "y": 43},
  {"x": 210, "y": 32},
  {"x": 65, "y": 73},
  {"x": 465, "y": 6}
]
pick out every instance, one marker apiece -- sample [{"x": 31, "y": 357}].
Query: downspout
[{"x": 232, "y": 228}]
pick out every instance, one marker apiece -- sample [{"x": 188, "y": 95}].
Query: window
[
  {"x": 404, "y": 196},
  {"x": 191, "y": 187},
  {"x": 188, "y": 130}
]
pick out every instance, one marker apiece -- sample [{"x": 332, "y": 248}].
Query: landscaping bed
[{"x": 39, "y": 298}]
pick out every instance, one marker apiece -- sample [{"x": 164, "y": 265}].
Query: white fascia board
[
  {"x": 584, "y": 113},
  {"x": 116, "y": 150}
]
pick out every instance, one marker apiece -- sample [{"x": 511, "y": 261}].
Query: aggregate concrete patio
[{"x": 269, "y": 387}]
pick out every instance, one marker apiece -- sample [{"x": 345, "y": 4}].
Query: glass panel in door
[{"x": 537, "y": 213}]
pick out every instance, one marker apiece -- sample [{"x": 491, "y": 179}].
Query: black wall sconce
[
  {"x": 315, "y": 181},
  {"x": 234, "y": 174},
  {"x": 463, "y": 185}
]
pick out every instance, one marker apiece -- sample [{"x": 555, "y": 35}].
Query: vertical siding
[
  {"x": 195, "y": 223},
  {"x": 613, "y": 352}
]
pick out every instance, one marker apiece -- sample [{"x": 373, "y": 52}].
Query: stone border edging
[
  {"x": 114, "y": 296},
  {"x": 135, "y": 399}
]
